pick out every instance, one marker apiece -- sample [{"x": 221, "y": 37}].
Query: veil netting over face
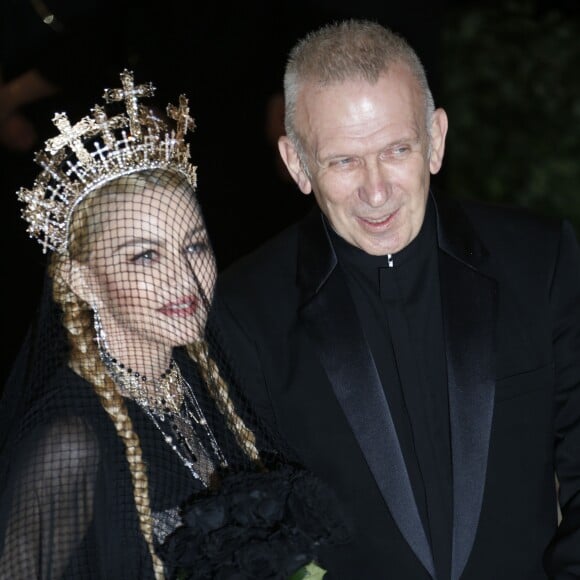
[
  {"x": 127, "y": 448},
  {"x": 121, "y": 404}
]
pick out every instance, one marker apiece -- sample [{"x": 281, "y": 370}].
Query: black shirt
[{"x": 397, "y": 299}]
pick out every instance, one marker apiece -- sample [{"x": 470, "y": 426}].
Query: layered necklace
[
  {"x": 164, "y": 394},
  {"x": 171, "y": 405}
]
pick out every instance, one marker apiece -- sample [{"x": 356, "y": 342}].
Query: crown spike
[
  {"x": 181, "y": 116},
  {"x": 99, "y": 149},
  {"x": 129, "y": 94},
  {"x": 71, "y": 135},
  {"x": 106, "y": 125}
]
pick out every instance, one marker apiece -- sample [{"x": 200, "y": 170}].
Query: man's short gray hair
[{"x": 351, "y": 49}]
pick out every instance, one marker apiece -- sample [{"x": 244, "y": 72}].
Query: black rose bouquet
[{"x": 256, "y": 525}]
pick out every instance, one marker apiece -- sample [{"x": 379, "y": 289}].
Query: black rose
[
  {"x": 221, "y": 545},
  {"x": 258, "y": 561},
  {"x": 205, "y": 514},
  {"x": 254, "y": 526},
  {"x": 179, "y": 548},
  {"x": 275, "y": 557},
  {"x": 293, "y": 548},
  {"x": 258, "y": 507}
]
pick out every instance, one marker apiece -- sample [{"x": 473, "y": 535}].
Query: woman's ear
[{"x": 82, "y": 282}]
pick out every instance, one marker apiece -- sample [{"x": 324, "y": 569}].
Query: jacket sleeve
[
  {"x": 562, "y": 558},
  {"x": 239, "y": 336}
]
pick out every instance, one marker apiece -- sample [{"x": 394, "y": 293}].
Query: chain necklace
[
  {"x": 174, "y": 410},
  {"x": 179, "y": 432},
  {"x": 164, "y": 393}
]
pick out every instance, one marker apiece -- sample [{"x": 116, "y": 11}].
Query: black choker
[
  {"x": 137, "y": 375},
  {"x": 164, "y": 394}
]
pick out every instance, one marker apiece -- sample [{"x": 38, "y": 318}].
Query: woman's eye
[
  {"x": 146, "y": 256},
  {"x": 197, "y": 247}
]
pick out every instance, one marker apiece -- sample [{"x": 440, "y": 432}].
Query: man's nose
[{"x": 375, "y": 187}]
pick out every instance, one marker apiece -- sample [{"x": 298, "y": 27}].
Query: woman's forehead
[{"x": 150, "y": 199}]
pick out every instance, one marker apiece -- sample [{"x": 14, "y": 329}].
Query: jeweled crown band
[{"x": 99, "y": 149}]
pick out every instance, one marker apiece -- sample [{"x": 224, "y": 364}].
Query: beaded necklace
[
  {"x": 172, "y": 407},
  {"x": 179, "y": 432},
  {"x": 164, "y": 393}
]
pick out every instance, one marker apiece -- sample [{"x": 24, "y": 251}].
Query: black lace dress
[{"x": 67, "y": 507}]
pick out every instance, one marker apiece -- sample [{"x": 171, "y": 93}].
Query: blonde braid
[
  {"x": 85, "y": 361},
  {"x": 218, "y": 389}
]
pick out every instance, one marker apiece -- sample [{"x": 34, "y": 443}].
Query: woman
[{"x": 107, "y": 433}]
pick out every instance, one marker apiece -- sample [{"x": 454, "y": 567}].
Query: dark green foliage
[{"x": 511, "y": 88}]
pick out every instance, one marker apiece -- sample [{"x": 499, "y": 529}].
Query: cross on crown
[
  {"x": 98, "y": 149},
  {"x": 130, "y": 93}
]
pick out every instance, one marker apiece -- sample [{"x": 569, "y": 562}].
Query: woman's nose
[{"x": 181, "y": 276}]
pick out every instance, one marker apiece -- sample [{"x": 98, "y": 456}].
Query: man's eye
[
  {"x": 401, "y": 150},
  {"x": 342, "y": 162}
]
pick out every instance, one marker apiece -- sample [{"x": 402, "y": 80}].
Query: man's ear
[
  {"x": 292, "y": 161},
  {"x": 439, "y": 126},
  {"x": 82, "y": 282}
]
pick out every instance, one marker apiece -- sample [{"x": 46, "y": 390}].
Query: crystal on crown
[{"x": 98, "y": 149}]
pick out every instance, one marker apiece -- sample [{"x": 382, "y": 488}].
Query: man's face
[{"x": 369, "y": 157}]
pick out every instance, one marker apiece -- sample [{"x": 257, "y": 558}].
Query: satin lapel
[
  {"x": 329, "y": 317},
  {"x": 469, "y": 312}
]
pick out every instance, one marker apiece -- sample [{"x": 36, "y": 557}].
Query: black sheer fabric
[
  {"x": 122, "y": 405},
  {"x": 127, "y": 449},
  {"x": 68, "y": 499},
  {"x": 68, "y": 508}
]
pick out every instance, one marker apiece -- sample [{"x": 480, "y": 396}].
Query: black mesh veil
[
  {"x": 124, "y": 406},
  {"x": 127, "y": 449}
]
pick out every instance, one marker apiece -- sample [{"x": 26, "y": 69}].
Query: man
[{"x": 420, "y": 355}]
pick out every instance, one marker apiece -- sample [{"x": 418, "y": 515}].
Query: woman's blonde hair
[{"x": 84, "y": 356}]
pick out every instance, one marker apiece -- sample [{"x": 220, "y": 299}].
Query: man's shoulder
[
  {"x": 505, "y": 224},
  {"x": 274, "y": 258},
  {"x": 520, "y": 241},
  {"x": 263, "y": 273},
  {"x": 508, "y": 213}
]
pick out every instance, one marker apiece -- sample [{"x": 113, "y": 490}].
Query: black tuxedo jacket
[{"x": 510, "y": 290}]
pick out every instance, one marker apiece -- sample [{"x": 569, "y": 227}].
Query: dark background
[{"x": 506, "y": 72}]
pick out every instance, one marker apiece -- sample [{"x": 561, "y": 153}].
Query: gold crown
[{"x": 99, "y": 149}]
